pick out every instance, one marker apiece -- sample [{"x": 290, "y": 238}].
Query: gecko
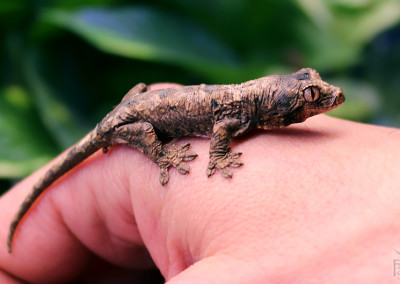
[{"x": 145, "y": 117}]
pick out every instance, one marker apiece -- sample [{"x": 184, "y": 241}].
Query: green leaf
[
  {"x": 353, "y": 22},
  {"x": 339, "y": 29},
  {"x": 147, "y": 33},
  {"x": 24, "y": 144}
]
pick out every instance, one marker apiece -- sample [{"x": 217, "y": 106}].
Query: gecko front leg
[
  {"x": 142, "y": 136},
  {"x": 221, "y": 156}
]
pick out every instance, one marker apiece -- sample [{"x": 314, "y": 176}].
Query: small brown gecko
[{"x": 219, "y": 111}]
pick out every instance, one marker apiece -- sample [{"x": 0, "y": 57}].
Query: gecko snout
[{"x": 339, "y": 96}]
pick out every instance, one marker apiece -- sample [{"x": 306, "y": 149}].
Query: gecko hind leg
[
  {"x": 142, "y": 136},
  {"x": 137, "y": 89}
]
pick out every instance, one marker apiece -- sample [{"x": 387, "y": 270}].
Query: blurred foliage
[{"x": 65, "y": 63}]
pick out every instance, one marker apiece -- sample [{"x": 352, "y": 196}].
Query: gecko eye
[{"x": 311, "y": 94}]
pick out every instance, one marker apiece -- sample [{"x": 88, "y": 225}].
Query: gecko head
[
  {"x": 315, "y": 95},
  {"x": 294, "y": 97}
]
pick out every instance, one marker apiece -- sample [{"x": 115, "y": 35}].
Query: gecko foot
[
  {"x": 222, "y": 162},
  {"x": 175, "y": 156}
]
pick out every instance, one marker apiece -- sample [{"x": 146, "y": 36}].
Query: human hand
[{"x": 315, "y": 202}]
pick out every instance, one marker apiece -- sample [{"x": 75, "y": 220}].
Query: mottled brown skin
[{"x": 219, "y": 111}]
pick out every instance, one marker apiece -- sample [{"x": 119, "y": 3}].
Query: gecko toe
[
  {"x": 236, "y": 155},
  {"x": 226, "y": 172},
  {"x": 236, "y": 164},
  {"x": 164, "y": 176},
  {"x": 185, "y": 147},
  {"x": 189, "y": 156},
  {"x": 210, "y": 171},
  {"x": 183, "y": 168}
]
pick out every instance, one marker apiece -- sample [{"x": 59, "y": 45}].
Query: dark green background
[{"x": 65, "y": 63}]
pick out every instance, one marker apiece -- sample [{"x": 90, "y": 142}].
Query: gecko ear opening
[{"x": 311, "y": 94}]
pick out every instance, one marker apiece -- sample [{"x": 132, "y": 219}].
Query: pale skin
[{"x": 317, "y": 202}]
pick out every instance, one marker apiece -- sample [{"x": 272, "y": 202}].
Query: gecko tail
[{"x": 78, "y": 153}]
